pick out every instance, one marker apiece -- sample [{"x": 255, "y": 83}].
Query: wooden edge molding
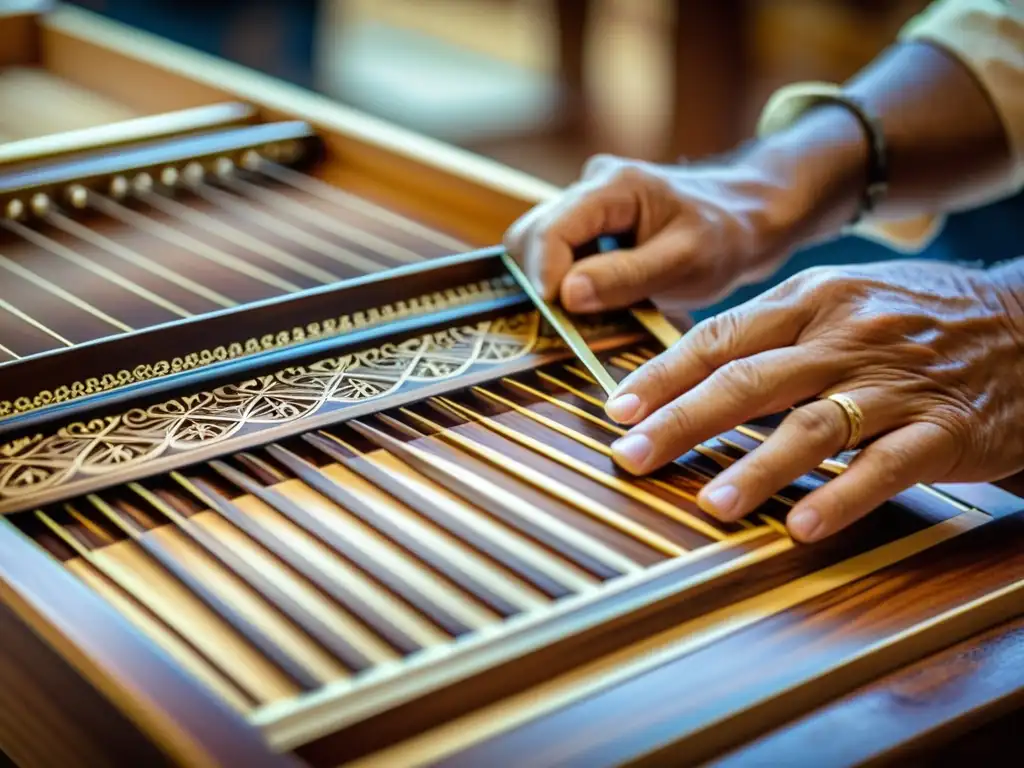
[
  {"x": 169, "y": 708},
  {"x": 217, "y": 76},
  {"x": 167, "y": 358},
  {"x": 126, "y": 132},
  {"x": 655, "y": 601},
  {"x": 654, "y": 651},
  {"x": 917, "y": 709}
]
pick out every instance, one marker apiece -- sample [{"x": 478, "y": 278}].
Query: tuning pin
[
  {"x": 224, "y": 167},
  {"x": 169, "y": 176},
  {"x": 40, "y": 204},
  {"x": 142, "y": 183},
  {"x": 15, "y": 209},
  {"x": 78, "y": 196},
  {"x": 251, "y": 160},
  {"x": 118, "y": 187},
  {"x": 194, "y": 174}
]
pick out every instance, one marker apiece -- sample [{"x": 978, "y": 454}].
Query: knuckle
[
  {"x": 677, "y": 423},
  {"x": 887, "y": 464},
  {"x": 821, "y": 281},
  {"x": 814, "y": 424},
  {"x": 759, "y": 471},
  {"x": 629, "y": 174},
  {"x": 739, "y": 378},
  {"x": 598, "y": 164},
  {"x": 718, "y": 333},
  {"x": 657, "y": 374},
  {"x": 516, "y": 235},
  {"x": 633, "y": 272}
]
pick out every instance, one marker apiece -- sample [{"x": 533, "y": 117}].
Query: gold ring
[{"x": 854, "y": 417}]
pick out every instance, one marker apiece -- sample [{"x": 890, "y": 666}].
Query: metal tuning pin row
[{"x": 190, "y": 175}]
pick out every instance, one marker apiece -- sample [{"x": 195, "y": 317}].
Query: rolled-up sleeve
[{"x": 988, "y": 37}]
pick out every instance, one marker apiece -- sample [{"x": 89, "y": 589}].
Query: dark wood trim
[
  {"x": 166, "y": 708},
  {"x": 702, "y": 703},
  {"x": 260, "y": 434},
  {"x": 99, "y": 166},
  {"x": 661, "y": 603},
  {"x": 940, "y": 702},
  {"x": 151, "y": 346}
]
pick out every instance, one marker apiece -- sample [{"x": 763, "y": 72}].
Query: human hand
[
  {"x": 932, "y": 354},
  {"x": 700, "y": 231}
]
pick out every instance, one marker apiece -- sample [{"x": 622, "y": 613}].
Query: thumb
[
  {"x": 544, "y": 240},
  {"x": 621, "y": 278}
]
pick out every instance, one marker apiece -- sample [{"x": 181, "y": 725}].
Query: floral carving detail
[
  {"x": 106, "y": 445},
  {"x": 486, "y": 289}
]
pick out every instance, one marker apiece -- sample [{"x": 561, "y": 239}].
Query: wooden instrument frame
[{"x": 119, "y": 700}]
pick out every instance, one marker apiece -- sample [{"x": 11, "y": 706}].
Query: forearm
[{"x": 945, "y": 142}]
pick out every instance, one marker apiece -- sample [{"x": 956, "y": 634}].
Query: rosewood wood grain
[
  {"x": 127, "y": 351},
  {"x": 587, "y": 638},
  {"x": 50, "y": 716},
  {"x": 171, "y": 710},
  {"x": 463, "y": 485},
  {"x": 951, "y": 701},
  {"x": 412, "y": 498},
  {"x": 500, "y": 470},
  {"x": 783, "y": 666},
  {"x": 307, "y": 622},
  {"x": 399, "y": 536},
  {"x": 165, "y": 557},
  {"x": 355, "y": 604},
  {"x": 360, "y": 559}
]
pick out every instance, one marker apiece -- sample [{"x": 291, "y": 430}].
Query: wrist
[{"x": 820, "y": 162}]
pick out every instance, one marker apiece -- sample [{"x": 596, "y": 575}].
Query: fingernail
[
  {"x": 622, "y": 387},
  {"x": 805, "y": 524},
  {"x": 633, "y": 449},
  {"x": 622, "y": 408},
  {"x": 721, "y": 500},
  {"x": 578, "y": 292}
]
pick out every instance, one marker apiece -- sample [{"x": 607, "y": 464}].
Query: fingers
[
  {"x": 750, "y": 329},
  {"x": 543, "y": 240},
  {"x": 742, "y": 390},
  {"x": 805, "y": 438},
  {"x": 913, "y": 454},
  {"x": 621, "y": 278}
]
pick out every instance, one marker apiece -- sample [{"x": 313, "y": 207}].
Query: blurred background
[{"x": 542, "y": 84}]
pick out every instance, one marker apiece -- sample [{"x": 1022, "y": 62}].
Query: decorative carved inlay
[
  {"x": 83, "y": 451},
  {"x": 326, "y": 328}
]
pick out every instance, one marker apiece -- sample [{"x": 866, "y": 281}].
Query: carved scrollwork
[
  {"x": 107, "y": 445},
  {"x": 433, "y": 302}
]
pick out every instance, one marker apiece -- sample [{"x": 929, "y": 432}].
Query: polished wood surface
[
  {"x": 926, "y": 711},
  {"x": 118, "y": 698},
  {"x": 383, "y": 525}
]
